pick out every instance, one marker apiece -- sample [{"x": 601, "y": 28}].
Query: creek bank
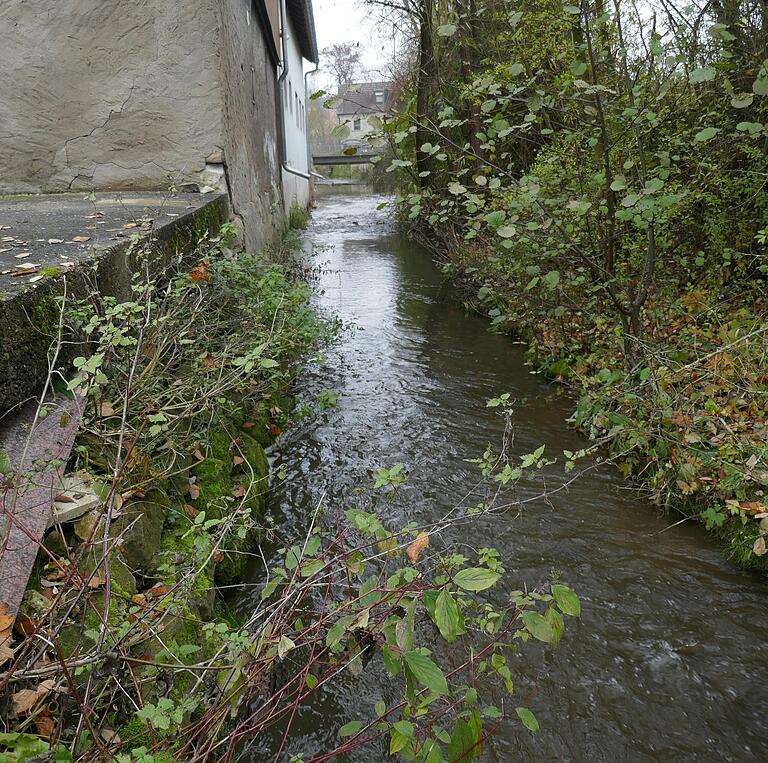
[
  {"x": 682, "y": 429},
  {"x": 188, "y": 385}
]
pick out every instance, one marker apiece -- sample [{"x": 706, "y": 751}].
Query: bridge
[{"x": 325, "y": 160}]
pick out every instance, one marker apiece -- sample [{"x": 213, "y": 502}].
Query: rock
[{"x": 139, "y": 528}]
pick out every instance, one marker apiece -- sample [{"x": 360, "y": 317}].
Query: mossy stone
[
  {"x": 140, "y": 529},
  {"x": 213, "y": 479}
]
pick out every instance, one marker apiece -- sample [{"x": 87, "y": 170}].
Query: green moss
[
  {"x": 738, "y": 539},
  {"x": 135, "y": 733},
  {"x": 213, "y": 478},
  {"x": 559, "y": 369}
]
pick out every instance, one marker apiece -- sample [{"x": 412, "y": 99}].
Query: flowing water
[{"x": 667, "y": 662}]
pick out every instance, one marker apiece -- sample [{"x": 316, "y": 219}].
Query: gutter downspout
[
  {"x": 306, "y": 118},
  {"x": 280, "y": 90}
]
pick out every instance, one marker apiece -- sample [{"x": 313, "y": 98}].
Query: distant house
[
  {"x": 152, "y": 94},
  {"x": 359, "y": 102}
]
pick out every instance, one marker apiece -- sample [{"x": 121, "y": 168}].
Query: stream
[{"x": 666, "y": 663}]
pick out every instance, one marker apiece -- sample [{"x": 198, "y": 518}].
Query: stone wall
[{"x": 108, "y": 95}]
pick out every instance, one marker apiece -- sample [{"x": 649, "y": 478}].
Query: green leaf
[
  {"x": 619, "y": 183},
  {"x": 506, "y": 231},
  {"x": 706, "y": 134},
  {"x": 350, "y": 729},
  {"x": 578, "y": 68},
  {"x": 447, "y": 616},
  {"x": 537, "y": 626},
  {"x": 446, "y": 30},
  {"x": 475, "y": 578},
  {"x": 742, "y": 100},
  {"x": 426, "y": 672},
  {"x": 528, "y": 718},
  {"x": 703, "y": 74},
  {"x": 284, "y": 646},
  {"x": 567, "y": 600},
  {"x": 5, "y": 462},
  {"x": 551, "y": 279}
]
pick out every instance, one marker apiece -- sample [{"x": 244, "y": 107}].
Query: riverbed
[{"x": 667, "y": 661}]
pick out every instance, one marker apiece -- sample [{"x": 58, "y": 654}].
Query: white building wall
[{"x": 296, "y": 189}]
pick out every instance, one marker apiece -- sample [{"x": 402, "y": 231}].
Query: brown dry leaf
[
  {"x": 198, "y": 455},
  {"x": 248, "y": 425},
  {"x": 759, "y": 547},
  {"x": 217, "y": 556},
  {"x": 275, "y": 430},
  {"x": 63, "y": 498},
  {"x": 158, "y": 590},
  {"x": 190, "y": 511},
  {"x": 6, "y": 652},
  {"x": 97, "y": 581},
  {"x": 198, "y": 273},
  {"x": 209, "y": 362},
  {"x": 128, "y": 226},
  {"x": 80, "y": 239},
  {"x": 139, "y": 599},
  {"x": 44, "y": 723},
  {"x": 24, "y": 625},
  {"x": 6, "y": 619},
  {"x": 752, "y": 507},
  {"x": 237, "y": 460},
  {"x": 238, "y": 491},
  {"x": 414, "y": 550},
  {"x": 194, "y": 490},
  {"x": 106, "y": 409},
  {"x": 24, "y": 701}
]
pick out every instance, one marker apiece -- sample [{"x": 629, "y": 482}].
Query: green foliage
[{"x": 595, "y": 178}]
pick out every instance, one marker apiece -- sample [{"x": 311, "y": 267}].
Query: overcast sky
[{"x": 349, "y": 21}]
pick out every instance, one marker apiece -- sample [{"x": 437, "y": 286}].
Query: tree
[{"x": 344, "y": 61}]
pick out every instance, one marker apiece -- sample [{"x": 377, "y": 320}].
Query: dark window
[{"x": 356, "y": 124}]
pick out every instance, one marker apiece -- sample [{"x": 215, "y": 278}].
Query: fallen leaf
[
  {"x": 6, "y": 619},
  {"x": 414, "y": 550},
  {"x": 80, "y": 239},
  {"x": 139, "y": 599},
  {"x": 55, "y": 240},
  {"x": 44, "y": 723},
  {"x": 97, "y": 581},
  {"x": 158, "y": 590},
  {"x": 209, "y": 362},
  {"x": 6, "y": 652},
  {"x": 190, "y": 510},
  {"x": 24, "y": 625},
  {"x": 238, "y": 491},
  {"x": 194, "y": 491},
  {"x": 198, "y": 455},
  {"x": 198, "y": 273},
  {"x": 759, "y": 548},
  {"x": 248, "y": 425},
  {"x": 22, "y": 255},
  {"x": 275, "y": 430},
  {"x": 24, "y": 701},
  {"x": 63, "y": 498},
  {"x": 237, "y": 460},
  {"x": 106, "y": 409},
  {"x": 127, "y": 226}
]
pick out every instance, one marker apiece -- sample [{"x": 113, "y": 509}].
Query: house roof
[
  {"x": 303, "y": 21},
  {"x": 360, "y": 98}
]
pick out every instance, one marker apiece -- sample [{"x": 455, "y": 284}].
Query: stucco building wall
[
  {"x": 109, "y": 95},
  {"x": 250, "y": 139}
]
